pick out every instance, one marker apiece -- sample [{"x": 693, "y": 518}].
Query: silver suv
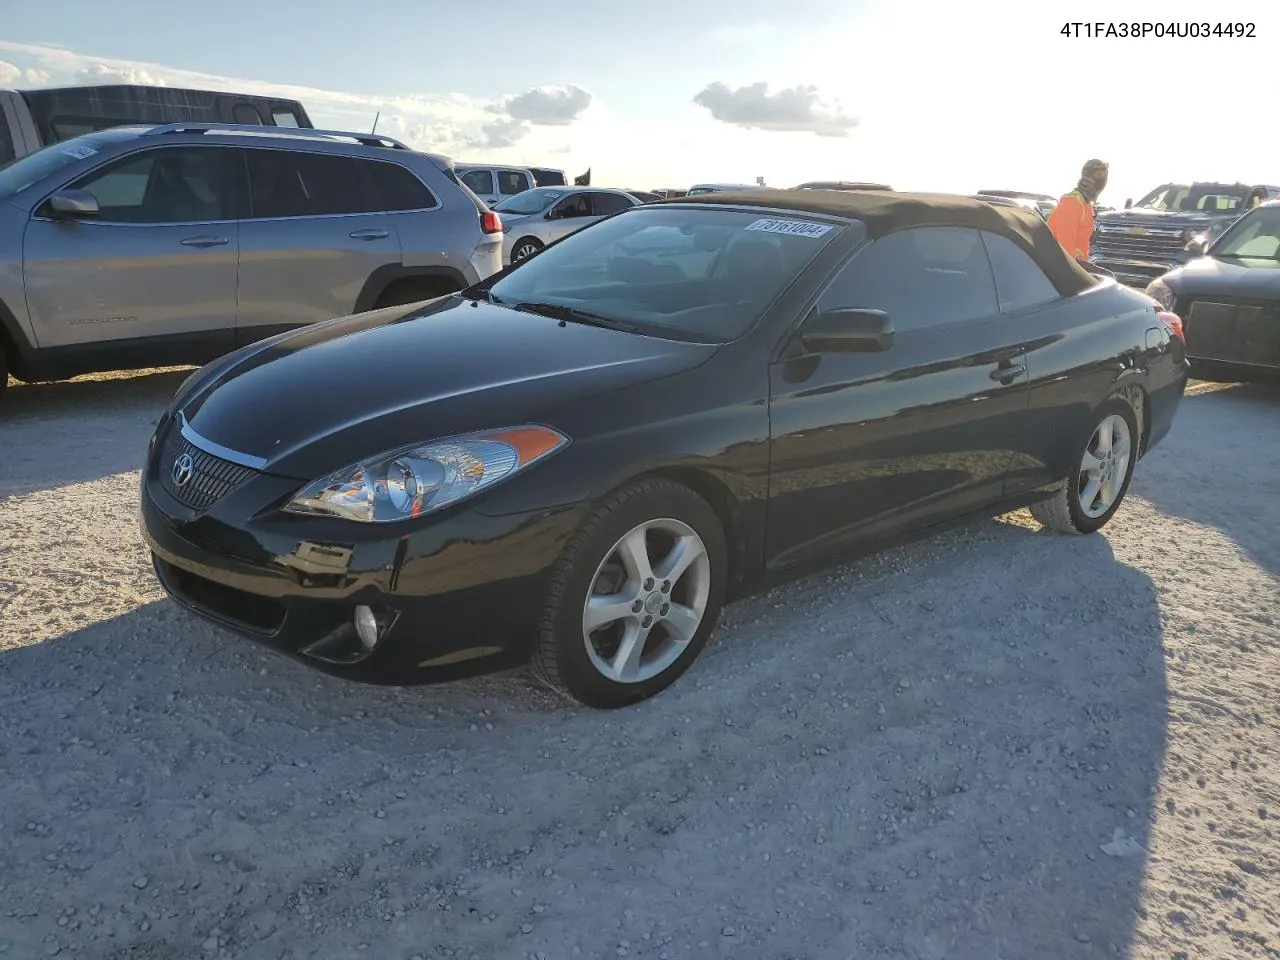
[{"x": 165, "y": 245}]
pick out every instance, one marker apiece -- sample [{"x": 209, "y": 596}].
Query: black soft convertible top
[{"x": 885, "y": 212}]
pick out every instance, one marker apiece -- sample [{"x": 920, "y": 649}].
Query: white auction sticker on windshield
[
  {"x": 79, "y": 151},
  {"x": 791, "y": 228}
]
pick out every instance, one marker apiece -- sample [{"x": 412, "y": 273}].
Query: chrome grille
[
  {"x": 211, "y": 478},
  {"x": 1155, "y": 243}
]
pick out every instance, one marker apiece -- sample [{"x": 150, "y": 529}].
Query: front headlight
[
  {"x": 1159, "y": 291},
  {"x": 416, "y": 480}
]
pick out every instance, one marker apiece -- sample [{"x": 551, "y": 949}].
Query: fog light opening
[{"x": 366, "y": 623}]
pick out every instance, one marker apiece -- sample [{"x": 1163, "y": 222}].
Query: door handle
[
  {"x": 204, "y": 241},
  {"x": 369, "y": 234},
  {"x": 1006, "y": 373}
]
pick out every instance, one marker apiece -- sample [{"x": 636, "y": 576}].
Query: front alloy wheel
[
  {"x": 525, "y": 249},
  {"x": 634, "y": 596},
  {"x": 647, "y": 600}
]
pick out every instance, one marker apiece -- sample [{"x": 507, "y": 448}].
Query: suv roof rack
[{"x": 305, "y": 133}]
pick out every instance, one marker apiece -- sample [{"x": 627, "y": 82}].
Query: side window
[
  {"x": 511, "y": 182},
  {"x": 1020, "y": 283},
  {"x": 284, "y": 117},
  {"x": 288, "y": 183},
  {"x": 172, "y": 185},
  {"x": 607, "y": 203},
  {"x": 480, "y": 182},
  {"x": 922, "y": 277},
  {"x": 246, "y": 113},
  {"x": 574, "y": 205},
  {"x": 397, "y": 188}
]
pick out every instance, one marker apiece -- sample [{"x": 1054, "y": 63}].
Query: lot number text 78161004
[{"x": 1169, "y": 29}]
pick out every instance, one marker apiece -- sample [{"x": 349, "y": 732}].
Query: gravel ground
[{"x": 998, "y": 744}]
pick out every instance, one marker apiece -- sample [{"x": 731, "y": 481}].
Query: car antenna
[{"x": 374, "y": 128}]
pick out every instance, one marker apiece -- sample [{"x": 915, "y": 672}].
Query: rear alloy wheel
[
  {"x": 634, "y": 597},
  {"x": 524, "y": 248},
  {"x": 1094, "y": 492}
]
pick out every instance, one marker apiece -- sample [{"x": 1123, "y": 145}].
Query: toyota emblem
[{"x": 183, "y": 468}]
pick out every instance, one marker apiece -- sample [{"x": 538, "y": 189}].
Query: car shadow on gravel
[
  {"x": 102, "y": 424},
  {"x": 1227, "y": 479},
  {"x": 947, "y": 751}
]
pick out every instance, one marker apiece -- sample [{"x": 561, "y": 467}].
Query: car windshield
[
  {"x": 1194, "y": 198},
  {"x": 19, "y": 174},
  {"x": 679, "y": 272},
  {"x": 1255, "y": 235},
  {"x": 530, "y": 201}
]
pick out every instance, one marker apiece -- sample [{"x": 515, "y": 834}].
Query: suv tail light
[
  {"x": 490, "y": 222},
  {"x": 1173, "y": 322}
]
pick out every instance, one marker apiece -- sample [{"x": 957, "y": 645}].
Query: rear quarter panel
[{"x": 1081, "y": 352}]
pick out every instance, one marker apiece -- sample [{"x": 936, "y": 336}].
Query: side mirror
[
  {"x": 1198, "y": 247},
  {"x": 848, "y": 331},
  {"x": 74, "y": 203}
]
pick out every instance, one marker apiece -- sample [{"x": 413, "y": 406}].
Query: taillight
[
  {"x": 1173, "y": 322},
  {"x": 490, "y": 222}
]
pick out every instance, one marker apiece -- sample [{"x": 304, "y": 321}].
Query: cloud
[
  {"x": 439, "y": 122},
  {"x": 497, "y": 136},
  {"x": 546, "y": 106},
  {"x": 798, "y": 109},
  {"x": 110, "y": 73}
]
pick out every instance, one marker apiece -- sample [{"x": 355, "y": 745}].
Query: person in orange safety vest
[{"x": 1071, "y": 221}]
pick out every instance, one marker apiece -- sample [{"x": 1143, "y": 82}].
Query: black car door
[{"x": 867, "y": 445}]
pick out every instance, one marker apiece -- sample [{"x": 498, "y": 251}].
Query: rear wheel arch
[
  {"x": 1135, "y": 395},
  {"x": 410, "y": 281}
]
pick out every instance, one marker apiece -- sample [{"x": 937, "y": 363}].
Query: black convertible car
[
  {"x": 1229, "y": 298},
  {"x": 580, "y": 459}
]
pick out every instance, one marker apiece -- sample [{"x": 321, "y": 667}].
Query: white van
[{"x": 493, "y": 184}]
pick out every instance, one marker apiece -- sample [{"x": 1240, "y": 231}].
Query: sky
[{"x": 946, "y": 96}]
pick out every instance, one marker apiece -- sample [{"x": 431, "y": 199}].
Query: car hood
[
  {"x": 312, "y": 401},
  {"x": 1239, "y": 279}
]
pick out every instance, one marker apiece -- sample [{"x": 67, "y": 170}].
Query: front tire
[
  {"x": 1096, "y": 488},
  {"x": 634, "y": 596},
  {"x": 524, "y": 248}
]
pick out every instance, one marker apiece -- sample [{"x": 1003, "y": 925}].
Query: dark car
[
  {"x": 579, "y": 460},
  {"x": 644, "y": 196},
  {"x": 1149, "y": 238},
  {"x": 1229, "y": 298}
]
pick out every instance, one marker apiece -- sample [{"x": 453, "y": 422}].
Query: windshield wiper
[{"x": 561, "y": 312}]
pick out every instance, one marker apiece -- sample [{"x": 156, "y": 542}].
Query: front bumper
[{"x": 458, "y": 596}]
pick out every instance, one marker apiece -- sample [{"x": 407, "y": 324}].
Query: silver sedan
[{"x": 537, "y": 217}]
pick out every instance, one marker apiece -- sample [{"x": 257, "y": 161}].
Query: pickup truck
[
  {"x": 1149, "y": 238},
  {"x": 33, "y": 119}
]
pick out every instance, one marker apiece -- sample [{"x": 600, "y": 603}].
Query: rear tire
[
  {"x": 1097, "y": 486},
  {"x": 634, "y": 596}
]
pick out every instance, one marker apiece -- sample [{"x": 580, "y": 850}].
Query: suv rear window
[
  {"x": 287, "y": 183},
  {"x": 398, "y": 188}
]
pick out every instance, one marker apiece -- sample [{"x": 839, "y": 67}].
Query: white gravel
[{"x": 998, "y": 744}]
